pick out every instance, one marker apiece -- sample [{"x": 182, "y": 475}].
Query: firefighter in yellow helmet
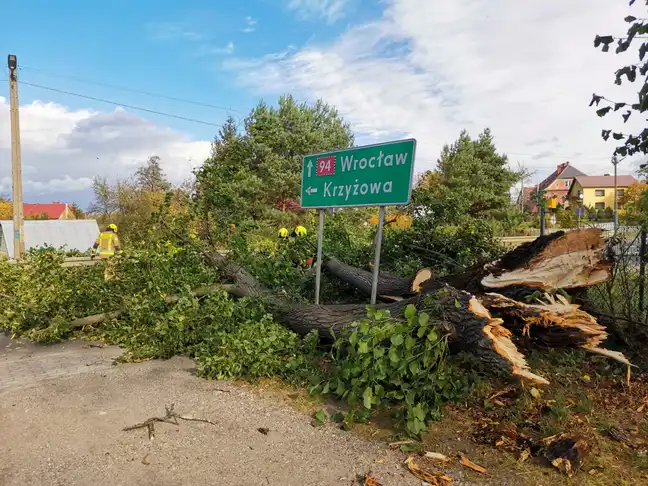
[
  {"x": 106, "y": 246},
  {"x": 283, "y": 233},
  {"x": 300, "y": 232}
]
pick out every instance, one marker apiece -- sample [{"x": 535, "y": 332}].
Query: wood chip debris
[
  {"x": 371, "y": 481},
  {"x": 436, "y": 456},
  {"x": 471, "y": 465},
  {"x": 431, "y": 476},
  {"x": 401, "y": 442}
]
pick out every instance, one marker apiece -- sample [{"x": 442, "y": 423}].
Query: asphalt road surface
[{"x": 63, "y": 408}]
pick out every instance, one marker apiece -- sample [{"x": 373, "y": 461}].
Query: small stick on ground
[{"x": 171, "y": 417}]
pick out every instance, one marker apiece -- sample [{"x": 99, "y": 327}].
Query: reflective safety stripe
[{"x": 106, "y": 244}]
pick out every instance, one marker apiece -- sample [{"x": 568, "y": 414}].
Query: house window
[
  {"x": 599, "y": 193},
  {"x": 620, "y": 192},
  {"x": 599, "y": 205},
  {"x": 567, "y": 183}
]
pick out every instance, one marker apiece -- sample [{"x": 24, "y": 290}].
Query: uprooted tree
[{"x": 478, "y": 308}]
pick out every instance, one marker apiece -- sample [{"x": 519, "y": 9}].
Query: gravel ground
[{"x": 63, "y": 408}]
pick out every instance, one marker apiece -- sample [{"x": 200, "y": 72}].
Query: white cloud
[
  {"x": 250, "y": 25},
  {"x": 63, "y": 149},
  {"x": 207, "y": 50},
  {"x": 429, "y": 69},
  {"x": 330, "y": 10}
]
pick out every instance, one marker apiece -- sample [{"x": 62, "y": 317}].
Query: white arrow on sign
[
  {"x": 310, "y": 168},
  {"x": 311, "y": 190}
]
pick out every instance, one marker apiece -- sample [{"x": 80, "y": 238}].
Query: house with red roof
[
  {"x": 556, "y": 185},
  {"x": 55, "y": 210}
]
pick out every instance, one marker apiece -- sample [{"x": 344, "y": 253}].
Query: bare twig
[{"x": 171, "y": 417}]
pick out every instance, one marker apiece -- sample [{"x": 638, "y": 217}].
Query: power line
[
  {"x": 124, "y": 88},
  {"x": 132, "y": 107}
]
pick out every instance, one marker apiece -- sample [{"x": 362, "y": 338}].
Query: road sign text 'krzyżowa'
[{"x": 373, "y": 175}]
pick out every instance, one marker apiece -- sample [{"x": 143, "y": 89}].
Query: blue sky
[
  {"x": 394, "y": 69},
  {"x": 167, "y": 47}
]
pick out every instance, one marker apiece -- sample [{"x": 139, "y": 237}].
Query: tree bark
[{"x": 388, "y": 285}]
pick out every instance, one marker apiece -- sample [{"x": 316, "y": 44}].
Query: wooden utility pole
[{"x": 16, "y": 163}]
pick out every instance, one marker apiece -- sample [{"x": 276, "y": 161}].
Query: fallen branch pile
[{"x": 481, "y": 310}]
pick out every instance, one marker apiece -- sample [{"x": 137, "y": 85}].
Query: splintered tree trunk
[
  {"x": 556, "y": 323},
  {"x": 388, "y": 285},
  {"x": 467, "y": 323},
  {"x": 560, "y": 260}
]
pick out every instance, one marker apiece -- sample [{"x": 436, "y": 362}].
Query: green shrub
[{"x": 385, "y": 360}]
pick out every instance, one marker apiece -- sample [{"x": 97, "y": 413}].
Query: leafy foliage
[
  {"x": 252, "y": 172},
  {"x": 42, "y": 292},
  {"x": 474, "y": 177},
  {"x": 632, "y": 142},
  {"x": 388, "y": 361}
]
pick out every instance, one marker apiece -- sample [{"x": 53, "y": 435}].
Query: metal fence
[{"x": 623, "y": 297}]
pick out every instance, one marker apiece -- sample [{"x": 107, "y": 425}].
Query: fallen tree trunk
[
  {"x": 467, "y": 323},
  {"x": 569, "y": 261},
  {"x": 388, "y": 285}
]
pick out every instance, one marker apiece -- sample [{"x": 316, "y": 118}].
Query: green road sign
[{"x": 373, "y": 175}]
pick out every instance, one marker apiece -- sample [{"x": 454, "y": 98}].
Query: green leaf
[
  {"x": 340, "y": 388},
  {"x": 325, "y": 390},
  {"x": 603, "y": 111},
  {"x": 379, "y": 391},
  {"x": 320, "y": 418},
  {"x": 397, "y": 339},
  {"x": 337, "y": 417},
  {"x": 379, "y": 352},
  {"x": 432, "y": 335},
  {"x": 353, "y": 339},
  {"x": 363, "y": 347},
  {"x": 410, "y": 311},
  {"x": 364, "y": 326},
  {"x": 394, "y": 354},
  {"x": 424, "y": 318},
  {"x": 414, "y": 367},
  {"x": 457, "y": 304},
  {"x": 367, "y": 397},
  {"x": 410, "y": 342},
  {"x": 418, "y": 412},
  {"x": 410, "y": 397}
]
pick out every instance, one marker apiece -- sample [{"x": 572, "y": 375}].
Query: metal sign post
[
  {"x": 376, "y": 269},
  {"x": 318, "y": 268}
]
